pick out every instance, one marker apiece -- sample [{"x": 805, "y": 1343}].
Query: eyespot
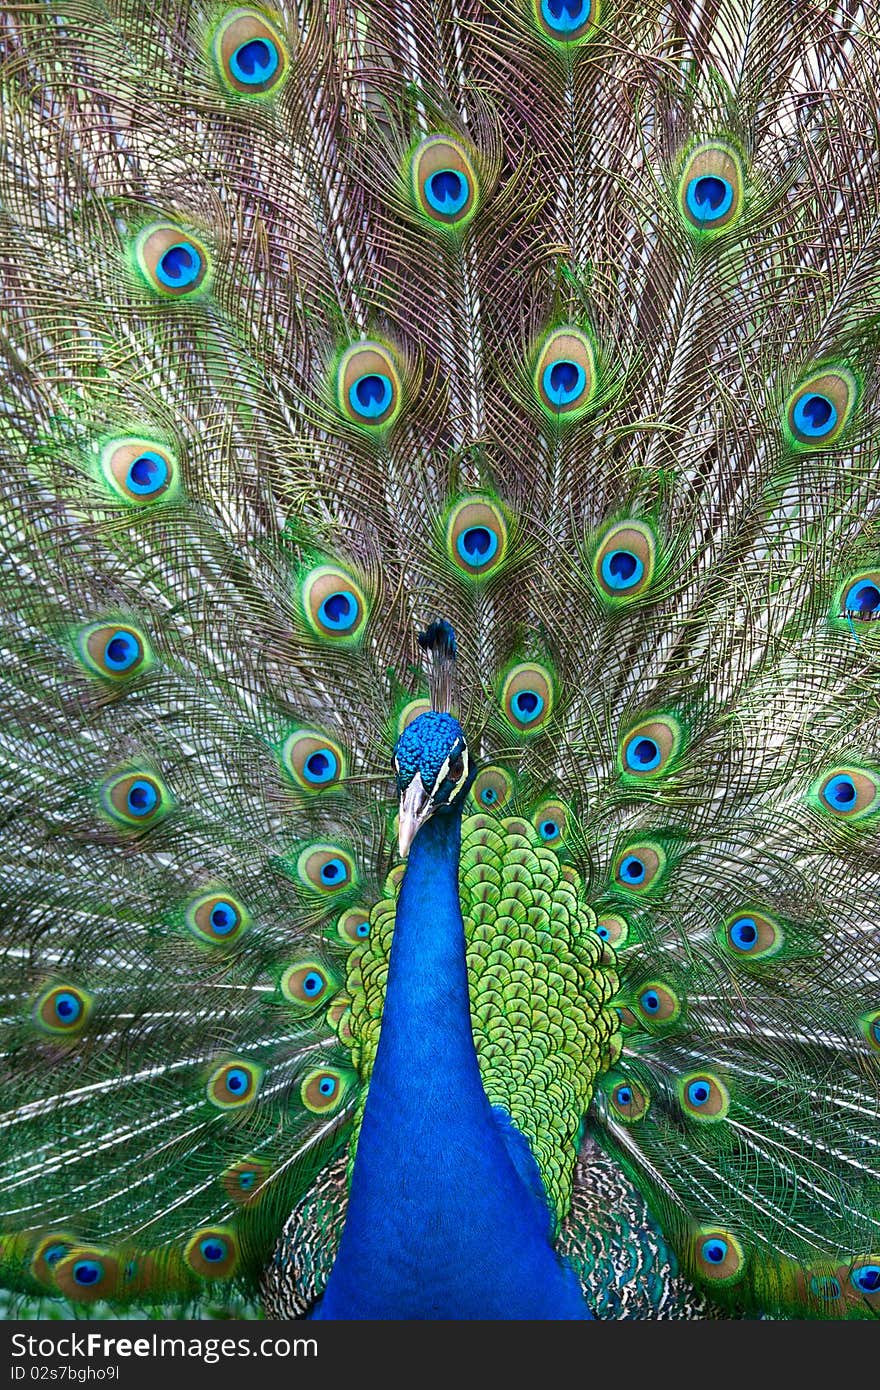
[
  {"x": 641, "y": 867},
  {"x": 368, "y": 389},
  {"x": 629, "y": 1101},
  {"x": 492, "y": 789},
  {"x": 135, "y": 799},
  {"x": 49, "y": 1252},
  {"x": 86, "y": 1274},
  {"x": 752, "y": 936},
  {"x": 566, "y": 21},
  {"x": 212, "y": 1253},
  {"x": 443, "y": 183},
  {"x": 870, "y": 1026},
  {"x": 217, "y": 919},
  {"x": 551, "y": 822},
  {"x": 825, "y": 1287},
  {"x": 703, "y": 1097},
  {"x": 114, "y": 651},
  {"x": 325, "y": 868},
  {"x": 527, "y": 697},
  {"x": 849, "y": 792},
  {"x": 234, "y": 1084},
  {"x": 353, "y": 927},
  {"x": 710, "y": 191},
  {"x": 173, "y": 262},
  {"x": 313, "y": 760},
  {"x": 861, "y": 596},
  {"x": 64, "y": 1010},
  {"x": 649, "y": 749},
  {"x": 243, "y": 1181},
  {"x": 334, "y": 605},
  {"x": 820, "y": 408},
  {"x": 864, "y": 1278},
  {"x": 140, "y": 471},
  {"x": 323, "y": 1091},
  {"x": 250, "y": 54},
  {"x": 564, "y": 375},
  {"x": 623, "y": 564},
  {"x": 476, "y": 537},
  {"x": 657, "y": 1003},
  {"x": 307, "y": 984},
  {"x": 611, "y": 927},
  {"x": 718, "y": 1255}
]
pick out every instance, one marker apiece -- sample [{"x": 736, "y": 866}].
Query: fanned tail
[{"x": 556, "y": 323}]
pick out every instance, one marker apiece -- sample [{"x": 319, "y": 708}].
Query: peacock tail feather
[{"x": 553, "y": 318}]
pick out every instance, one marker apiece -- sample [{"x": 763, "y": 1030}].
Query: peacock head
[{"x": 431, "y": 765}]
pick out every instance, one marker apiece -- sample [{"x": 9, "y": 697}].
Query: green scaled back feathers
[{"x": 560, "y": 323}]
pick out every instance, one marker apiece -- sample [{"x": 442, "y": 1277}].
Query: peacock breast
[{"x": 542, "y": 984}]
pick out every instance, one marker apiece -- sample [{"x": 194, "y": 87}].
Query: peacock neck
[{"x": 439, "y": 1178}]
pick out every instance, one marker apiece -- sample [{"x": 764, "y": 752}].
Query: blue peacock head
[{"x": 433, "y": 773}]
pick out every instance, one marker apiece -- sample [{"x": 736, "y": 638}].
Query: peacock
[{"x": 440, "y": 731}]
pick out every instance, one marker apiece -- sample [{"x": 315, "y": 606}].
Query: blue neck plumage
[{"x": 440, "y": 1178}]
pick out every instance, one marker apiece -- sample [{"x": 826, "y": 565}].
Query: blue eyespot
[
  {"x": 362, "y": 930},
  {"x": 332, "y": 872},
  {"x": 339, "y": 611},
  {"x": 642, "y": 754},
  {"x": 212, "y": 1249},
  {"x": 321, "y": 766},
  {"x": 814, "y": 415},
  {"x": 743, "y": 933},
  {"x": 447, "y": 191},
  {"x": 604, "y": 933},
  {"x": 224, "y": 918},
  {"x": 55, "y": 1253},
  {"x": 650, "y": 1001},
  {"x": 254, "y": 61},
  {"x": 714, "y": 1250},
  {"x": 67, "y": 1007},
  {"x": 563, "y": 381},
  {"x": 875, "y": 1030},
  {"x": 527, "y": 705},
  {"x": 632, "y": 869},
  {"x": 312, "y": 984},
  {"x": 122, "y": 651},
  {"x": 825, "y": 1286},
  {"x": 840, "y": 792},
  {"x": 237, "y": 1080},
  {"x": 709, "y": 197},
  {"x": 142, "y": 798},
  {"x": 148, "y": 473},
  {"x": 862, "y": 598},
  {"x": 246, "y": 1181},
  {"x": 327, "y": 1086},
  {"x": 622, "y": 570},
  {"x": 488, "y": 796},
  {"x": 698, "y": 1092},
  {"x": 87, "y": 1272},
  {"x": 371, "y": 395},
  {"x": 866, "y": 1278},
  {"x": 179, "y": 266},
  {"x": 623, "y": 1095},
  {"x": 477, "y": 545},
  {"x": 565, "y": 16}
]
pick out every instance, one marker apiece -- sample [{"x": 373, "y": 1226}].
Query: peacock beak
[{"x": 416, "y": 806}]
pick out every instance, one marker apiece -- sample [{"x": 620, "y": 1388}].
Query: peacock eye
[{"x": 456, "y": 768}]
